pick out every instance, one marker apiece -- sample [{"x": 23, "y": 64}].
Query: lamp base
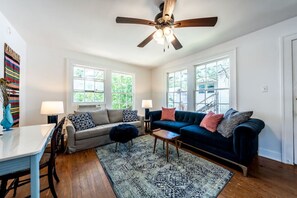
[
  {"x": 146, "y": 115},
  {"x": 52, "y": 119}
]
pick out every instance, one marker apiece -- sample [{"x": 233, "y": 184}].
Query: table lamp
[
  {"x": 52, "y": 109},
  {"x": 146, "y": 104}
]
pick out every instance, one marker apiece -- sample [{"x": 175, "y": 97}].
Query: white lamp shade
[
  {"x": 52, "y": 107},
  {"x": 147, "y": 104}
]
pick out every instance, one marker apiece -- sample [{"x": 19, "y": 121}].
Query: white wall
[
  {"x": 47, "y": 78},
  {"x": 258, "y": 57},
  {"x": 10, "y": 36}
]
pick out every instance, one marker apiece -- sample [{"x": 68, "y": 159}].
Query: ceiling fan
[{"x": 164, "y": 23}]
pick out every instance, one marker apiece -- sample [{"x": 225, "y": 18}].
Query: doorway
[{"x": 289, "y": 99}]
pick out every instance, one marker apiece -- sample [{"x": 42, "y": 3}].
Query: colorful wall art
[{"x": 12, "y": 74}]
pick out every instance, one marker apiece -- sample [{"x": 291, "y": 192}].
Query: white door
[{"x": 294, "y": 60}]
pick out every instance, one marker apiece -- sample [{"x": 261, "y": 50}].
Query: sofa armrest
[
  {"x": 154, "y": 116},
  {"x": 141, "y": 119},
  {"x": 70, "y": 137},
  {"x": 245, "y": 139}
]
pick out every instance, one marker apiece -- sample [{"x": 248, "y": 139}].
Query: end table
[{"x": 147, "y": 127}]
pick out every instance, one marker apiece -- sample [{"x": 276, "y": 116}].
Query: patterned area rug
[{"x": 140, "y": 173}]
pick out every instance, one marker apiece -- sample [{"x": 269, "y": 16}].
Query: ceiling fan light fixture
[
  {"x": 160, "y": 41},
  {"x": 164, "y": 23},
  {"x": 170, "y": 38},
  {"x": 158, "y": 34},
  {"x": 167, "y": 31}
]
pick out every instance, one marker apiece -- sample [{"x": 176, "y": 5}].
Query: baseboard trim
[{"x": 270, "y": 154}]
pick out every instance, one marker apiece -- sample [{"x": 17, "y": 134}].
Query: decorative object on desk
[
  {"x": 12, "y": 73},
  {"x": 147, "y": 104},
  {"x": 52, "y": 109},
  {"x": 7, "y": 120},
  {"x": 138, "y": 173}
]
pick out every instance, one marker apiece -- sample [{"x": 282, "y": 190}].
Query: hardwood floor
[{"x": 81, "y": 175}]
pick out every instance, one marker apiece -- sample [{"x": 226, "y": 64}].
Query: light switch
[{"x": 265, "y": 89}]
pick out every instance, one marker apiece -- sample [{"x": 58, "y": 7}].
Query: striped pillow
[{"x": 168, "y": 114}]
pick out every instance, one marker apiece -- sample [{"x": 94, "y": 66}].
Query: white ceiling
[{"x": 89, "y": 26}]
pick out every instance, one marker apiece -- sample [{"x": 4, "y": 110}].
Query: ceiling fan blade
[
  {"x": 176, "y": 44},
  {"x": 168, "y": 9},
  {"x": 147, "y": 40},
  {"x": 200, "y": 22},
  {"x": 135, "y": 21}
]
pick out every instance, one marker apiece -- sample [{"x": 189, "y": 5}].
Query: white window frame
[
  {"x": 207, "y": 89},
  {"x": 233, "y": 75},
  {"x": 70, "y": 105},
  {"x": 167, "y": 90},
  {"x": 133, "y": 86},
  {"x": 73, "y": 78}
]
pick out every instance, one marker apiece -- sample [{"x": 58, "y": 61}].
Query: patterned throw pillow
[
  {"x": 82, "y": 121},
  {"x": 168, "y": 114},
  {"x": 232, "y": 118},
  {"x": 129, "y": 115},
  {"x": 211, "y": 121}
]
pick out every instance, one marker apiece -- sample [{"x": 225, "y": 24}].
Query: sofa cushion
[
  {"x": 82, "y": 121},
  {"x": 129, "y": 115},
  {"x": 101, "y": 130},
  {"x": 170, "y": 125},
  {"x": 168, "y": 114},
  {"x": 211, "y": 121},
  {"x": 232, "y": 118},
  {"x": 203, "y": 136},
  {"x": 115, "y": 115},
  {"x": 94, "y": 132},
  {"x": 100, "y": 117},
  {"x": 190, "y": 117}
]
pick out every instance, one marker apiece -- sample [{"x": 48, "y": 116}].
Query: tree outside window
[
  {"x": 122, "y": 91},
  {"x": 88, "y": 85},
  {"x": 177, "y": 90},
  {"x": 213, "y": 86}
]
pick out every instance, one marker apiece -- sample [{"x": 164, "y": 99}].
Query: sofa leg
[{"x": 116, "y": 148}]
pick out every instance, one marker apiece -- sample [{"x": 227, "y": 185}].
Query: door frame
[{"x": 287, "y": 99}]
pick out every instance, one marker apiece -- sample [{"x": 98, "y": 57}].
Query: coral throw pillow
[
  {"x": 211, "y": 121},
  {"x": 168, "y": 114}
]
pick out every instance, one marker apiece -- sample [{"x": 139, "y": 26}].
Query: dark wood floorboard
[{"x": 81, "y": 175}]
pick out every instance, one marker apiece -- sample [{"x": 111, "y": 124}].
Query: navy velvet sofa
[{"x": 239, "y": 149}]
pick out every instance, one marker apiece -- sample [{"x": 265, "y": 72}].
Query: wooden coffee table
[{"x": 166, "y": 136}]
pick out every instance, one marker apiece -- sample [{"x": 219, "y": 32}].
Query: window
[
  {"x": 213, "y": 86},
  {"x": 88, "y": 85},
  {"x": 177, "y": 89},
  {"x": 122, "y": 90}
]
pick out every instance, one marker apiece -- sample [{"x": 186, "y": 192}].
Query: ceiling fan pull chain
[{"x": 167, "y": 42}]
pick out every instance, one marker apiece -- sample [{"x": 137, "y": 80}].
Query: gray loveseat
[{"x": 99, "y": 135}]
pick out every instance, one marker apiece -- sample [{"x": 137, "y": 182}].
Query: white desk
[{"x": 23, "y": 148}]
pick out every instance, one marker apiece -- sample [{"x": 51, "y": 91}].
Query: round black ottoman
[{"x": 123, "y": 133}]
